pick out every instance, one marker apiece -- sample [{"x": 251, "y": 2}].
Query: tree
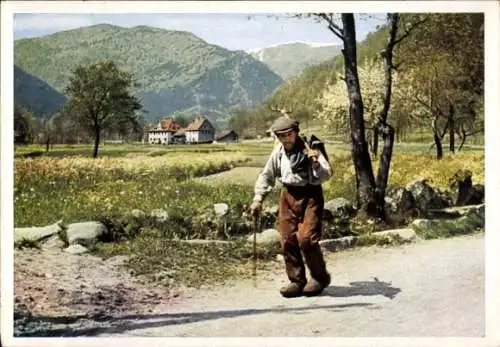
[
  {"x": 365, "y": 181},
  {"x": 445, "y": 60},
  {"x": 99, "y": 97},
  {"x": 383, "y": 127},
  {"x": 66, "y": 128},
  {"x": 334, "y": 100},
  {"x": 239, "y": 121},
  {"x": 370, "y": 193},
  {"x": 48, "y": 132},
  {"x": 23, "y": 125},
  {"x": 431, "y": 92}
]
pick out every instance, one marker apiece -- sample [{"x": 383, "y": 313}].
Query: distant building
[
  {"x": 163, "y": 132},
  {"x": 168, "y": 131},
  {"x": 200, "y": 130},
  {"x": 227, "y": 136},
  {"x": 180, "y": 137}
]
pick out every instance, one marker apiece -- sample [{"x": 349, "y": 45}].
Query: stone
[
  {"x": 400, "y": 205},
  {"x": 464, "y": 192},
  {"x": 478, "y": 195},
  {"x": 459, "y": 211},
  {"x": 37, "y": 233},
  {"x": 405, "y": 234},
  {"x": 85, "y": 233},
  {"x": 76, "y": 249},
  {"x": 421, "y": 223},
  {"x": 334, "y": 245},
  {"x": 426, "y": 198},
  {"x": 137, "y": 213},
  {"x": 340, "y": 208},
  {"x": 53, "y": 242},
  {"x": 266, "y": 237},
  {"x": 339, "y": 205},
  {"x": 160, "y": 215},
  {"x": 221, "y": 209},
  {"x": 478, "y": 210}
]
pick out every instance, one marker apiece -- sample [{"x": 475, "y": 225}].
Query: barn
[{"x": 227, "y": 136}]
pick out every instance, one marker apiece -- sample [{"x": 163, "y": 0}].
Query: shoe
[
  {"x": 292, "y": 290},
  {"x": 326, "y": 281},
  {"x": 314, "y": 287}
]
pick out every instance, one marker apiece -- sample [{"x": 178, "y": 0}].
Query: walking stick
[{"x": 255, "y": 228}]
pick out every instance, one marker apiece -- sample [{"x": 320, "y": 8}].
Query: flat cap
[{"x": 284, "y": 124}]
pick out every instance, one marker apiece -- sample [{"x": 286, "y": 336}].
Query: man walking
[{"x": 302, "y": 171}]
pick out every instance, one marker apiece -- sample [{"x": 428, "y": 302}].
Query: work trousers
[{"x": 300, "y": 226}]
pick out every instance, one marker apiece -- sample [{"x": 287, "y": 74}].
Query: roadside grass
[
  {"x": 450, "y": 228},
  {"x": 174, "y": 263},
  {"x": 74, "y": 187}
]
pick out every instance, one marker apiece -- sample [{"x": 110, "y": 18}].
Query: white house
[
  {"x": 200, "y": 130},
  {"x": 163, "y": 132}
]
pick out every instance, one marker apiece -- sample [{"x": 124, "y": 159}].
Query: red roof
[
  {"x": 169, "y": 125},
  {"x": 196, "y": 124}
]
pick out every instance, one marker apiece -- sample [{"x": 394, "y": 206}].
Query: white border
[
  {"x": 246, "y": 6},
  {"x": 492, "y": 180}
]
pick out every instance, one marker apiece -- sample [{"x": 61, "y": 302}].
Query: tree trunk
[
  {"x": 375, "y": 141},
  {"x": 439, "y": 146},
  {"x": 360, "y": 153},
  {"x": 462, "y": 140},
  {"x": 451, "y": 129},
  {"x": 387, "y": 132},
  {"x": 465, "y": 191},
  {"x": 385, "y": 129},
  {"x": 96, "y": 141}
]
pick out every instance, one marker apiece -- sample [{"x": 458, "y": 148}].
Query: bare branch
[{"x": 334, "y": 28}]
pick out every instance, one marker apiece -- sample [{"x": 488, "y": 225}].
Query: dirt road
[{"x": 432, "y": 288}]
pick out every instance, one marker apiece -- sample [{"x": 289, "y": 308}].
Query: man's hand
[
  {"x": 255, "y": 208},
  {"x": 313, "y": 155}
]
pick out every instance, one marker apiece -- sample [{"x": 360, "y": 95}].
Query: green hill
[
  {"x": 177, "y": 71},
  {"x": 290, "y": 60},
  {"x": 36, "y": 95},
  {"x": 302, "y": 91}
]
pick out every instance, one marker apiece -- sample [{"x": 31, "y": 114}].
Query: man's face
[{"x": 288, "y": 139}]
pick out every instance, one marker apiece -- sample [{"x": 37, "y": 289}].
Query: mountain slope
[
  {"x": 35, "y": 94},
  {"x": 176, "y": 70},
  {"x": 303, "y": 90},
  {"x": 290, "y": 60}
]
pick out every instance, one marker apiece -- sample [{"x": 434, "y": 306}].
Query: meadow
[{"x": 185, "y": 180}]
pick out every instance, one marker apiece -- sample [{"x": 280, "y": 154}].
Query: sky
[{"x": 234, "y": 31}]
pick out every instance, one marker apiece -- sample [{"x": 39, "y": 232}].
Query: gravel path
[{"x": 431, "y": 288}]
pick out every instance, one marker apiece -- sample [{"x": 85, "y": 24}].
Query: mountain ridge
[
  {"x": 42, "y": 101},
  {"x": 291, "y": 59},
  {"x": 171, "y": 66}
]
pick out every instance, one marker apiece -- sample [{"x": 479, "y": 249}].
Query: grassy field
[{"x": 66, "y": 183}]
